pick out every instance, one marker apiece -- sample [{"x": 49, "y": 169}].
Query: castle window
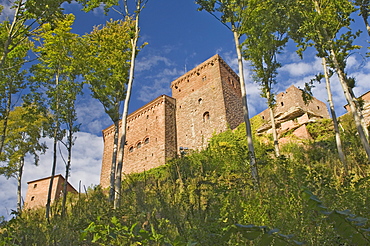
[
  {"x": 34, "y": 186},
  {"x": 176, "y": 87},
  {"x": 282, "y": 104},
  {"x": 32, "y": 198},
  {"x": 147, "y": 116},
  {"x": 146, "y": 141},
  {"x": 206, "y": 116},
  {"x": 263, "y": 117},
  {"x": 131, "y": 149},
  {"x": 138, "y": 145},
  {"x": 318, "y": 107},
  {"x": 200, "y": 100},
  {"x": 204, "y": 78}
]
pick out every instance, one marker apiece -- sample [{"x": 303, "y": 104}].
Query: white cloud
[
  {"x": 148, "y": 62},
  {"x": 159, "y": 87},
  {"x": 7, "y": 12},
  {"x": 302, "y": 68},
  {"x": 86, "y": 164}
]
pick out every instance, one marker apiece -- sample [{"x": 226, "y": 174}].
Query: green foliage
[
  {"x": 207, "y": 198},
  {"x": 107, "y": 51}
]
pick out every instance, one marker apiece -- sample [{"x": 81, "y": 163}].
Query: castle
[{"x": 205, "y": 100}]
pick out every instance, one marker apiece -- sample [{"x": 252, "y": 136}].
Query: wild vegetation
[
  {"x": 300, "y": 192},
  {"x": 205, "y": 198}
]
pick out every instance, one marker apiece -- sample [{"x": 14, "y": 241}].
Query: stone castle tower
[
  {"x": 37, "y": 192},
  {"x": 205, "y": 100}
]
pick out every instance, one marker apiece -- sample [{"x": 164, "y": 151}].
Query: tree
[
  {"x": 12, "y": 79},
  {"x": 266, "y": 34},
  {"x": 231, "y": 17},
  {"x": 364, "y": 12},
  {"x": 321, "y": 24},
  {"x": 334, "y": 117},
  {"x": 134, "y": 36},
  {"x": 57, "y": 73},
  {"x": 24, "y": 130},
  {"x": 14, "y": 43},
  {"x": 108, "y": 53}
]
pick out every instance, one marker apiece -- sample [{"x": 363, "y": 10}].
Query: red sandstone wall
[
  {"x": 232, "y": 96},
  {"x": 37, "y": 192},
  {"x": 200, "y": 104},
  {"x": 292, "y": 97},
  {"x": 150, "y": 139}
]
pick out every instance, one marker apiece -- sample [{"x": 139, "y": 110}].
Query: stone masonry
[
  {"x": 291, "y": 113},
  {"x": 365, "y": 107},
  {"x": 37, "y": 192},
  {"x": 205, "y": 100},
  {"x": 150, "y": 138}
]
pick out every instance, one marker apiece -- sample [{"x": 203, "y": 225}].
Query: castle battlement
[{"x": 205, "y": 100}]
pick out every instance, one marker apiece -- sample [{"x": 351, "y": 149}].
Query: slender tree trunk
[
  {"x": 253, "y": 164},
  {"x": 114, "y": 161},
  {"x": 6, "y": 117},
  {"x": 68, "y": 167},
  {"x": 359, "y": 111},
  {"x": 351, "y": 103},
  {"x": 118, "y": 181},
  {"x": 334, "y": 118},
  {"x": 55, "y": 136},
  {"x": 273, "y": 126},
  {"x": 364, "y": 15},
  {"x": 346, "y": 90},
  {"x": 19, "y": 185}
]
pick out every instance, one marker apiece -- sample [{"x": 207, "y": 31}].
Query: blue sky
[{"x": 179, "y": 38}]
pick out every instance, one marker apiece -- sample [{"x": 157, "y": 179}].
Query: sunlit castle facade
[{"x": 205, "y": 100}]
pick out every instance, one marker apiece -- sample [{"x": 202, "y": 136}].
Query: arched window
[
  {"x": 200, "y": 100},
  {"x": 206, "y": 116},
  {"x": 131, "y": 149},
  {"x": 282, "y": 104},
  {"x": 146, "y": 141},
  {"x": 34, "y": 186},
  {"x": 138, "y": 145}
]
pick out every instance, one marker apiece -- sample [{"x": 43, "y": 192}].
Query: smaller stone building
[
  {"x": 37, "y": 192},
  {"x": 292, "y": 113}
]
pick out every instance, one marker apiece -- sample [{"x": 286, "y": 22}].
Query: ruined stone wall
[
  {"x": 200, "y": 104},
  {"x": 150, "y": 138},
  {"x": 37, "y": 191},
  {"x": 365, "y": 107},
  {"x": 290, "y": 105}
]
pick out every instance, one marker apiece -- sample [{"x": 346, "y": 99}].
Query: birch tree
[
  {"x": 108, "y": 53},
  {"x": 228, "y": 12},
  {"x": 321, "y": 24},
  {"x": 15, "y": 32},
  {"x": 123, "y": 8},
  {"x": 266, "y": 35},
  {"x": 364, "y": 12},
  {"x": 56, "y": 74},
  {"x": 24, "y": 131},
  {"x": 338, "y": 140}
]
